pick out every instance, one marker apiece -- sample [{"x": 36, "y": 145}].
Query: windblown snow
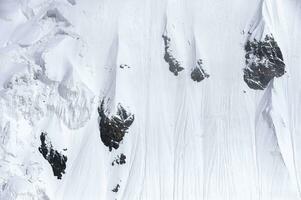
[{"x": 150, "y": 99}]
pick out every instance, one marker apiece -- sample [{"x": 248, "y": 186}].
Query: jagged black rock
[
  {"x": 198, "y": 73},
  {"x": 264, "y": 61},
  {"x": 55, "y": 159},
  {"x": 123, "y": 66},
  {"x": 116, "y": 188},
  {"x": 112, "y": 129},
  {"x": 120, "y": 160},
  {"x": 174, "y": 65}
]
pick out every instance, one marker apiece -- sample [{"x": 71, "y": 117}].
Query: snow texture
[{"x": 201, "y": 100}]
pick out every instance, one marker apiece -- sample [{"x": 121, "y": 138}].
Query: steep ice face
[
  {"x": 209, "y": 110},
  {"x": 31, "y": 91}
]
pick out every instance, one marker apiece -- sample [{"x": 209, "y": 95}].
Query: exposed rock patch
[
  {"x": 198, "y": 73},
  {"x": 174, "y": 65},
  {"x": 55, "y": 159},
  {"x": 116, "y": 188},
  {"x": 112, "y": 129},
  {"x": 264, "y": 61},
  {"x": 122, "y": 66},
  {"x": 120, "y": 160}
]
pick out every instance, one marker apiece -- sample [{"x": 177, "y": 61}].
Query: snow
[{"x": 216, "y": 139}]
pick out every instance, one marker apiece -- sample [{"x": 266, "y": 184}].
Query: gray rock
[{"x": 264, "y": 61}]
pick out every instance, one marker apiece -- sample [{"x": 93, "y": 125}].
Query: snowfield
[{"x": 150, "y": 100}]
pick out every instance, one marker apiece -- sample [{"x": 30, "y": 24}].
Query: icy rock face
[
  {"x": 33, "y": 90},
  {"x": 56, "y": 159},
  {"x": 264, "y": 61},
  {"x": 75, "y": 103},
  {"x": 112, "y": 129},
  {"x": 34, "y": 86},
  {"x": 174, "y": 65},
  {"x": 198, "y": 73},
  {"x": 34, "y": 94}
]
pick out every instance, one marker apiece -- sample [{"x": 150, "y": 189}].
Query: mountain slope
[{"x": 171, "y": 74}]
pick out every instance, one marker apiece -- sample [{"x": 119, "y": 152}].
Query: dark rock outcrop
[
  {"x": 264, "y": 61},
  {"x": 120, "y": 160},
  {"x": 116, "y": 188},
  {"x": 174, "y": 65},
  {"x": 112, "y": 129},
  {"x": 198, "y": 73},
  {"x": 123, "y": 66},
  {"x": 55, "y": 159}
]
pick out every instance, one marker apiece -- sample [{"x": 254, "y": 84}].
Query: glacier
[{"x": 201, "y": 100}]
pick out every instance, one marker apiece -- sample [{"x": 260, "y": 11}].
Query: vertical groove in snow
[
  {"x": 278, "y": 109},
  {"x": 189, "y": 141},
  {"x": 273, "y": 101}
]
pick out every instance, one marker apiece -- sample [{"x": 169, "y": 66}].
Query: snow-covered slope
[{"x": 150, "y": 99}]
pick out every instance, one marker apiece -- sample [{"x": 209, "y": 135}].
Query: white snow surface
[{"x": 211, "y": 140}]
